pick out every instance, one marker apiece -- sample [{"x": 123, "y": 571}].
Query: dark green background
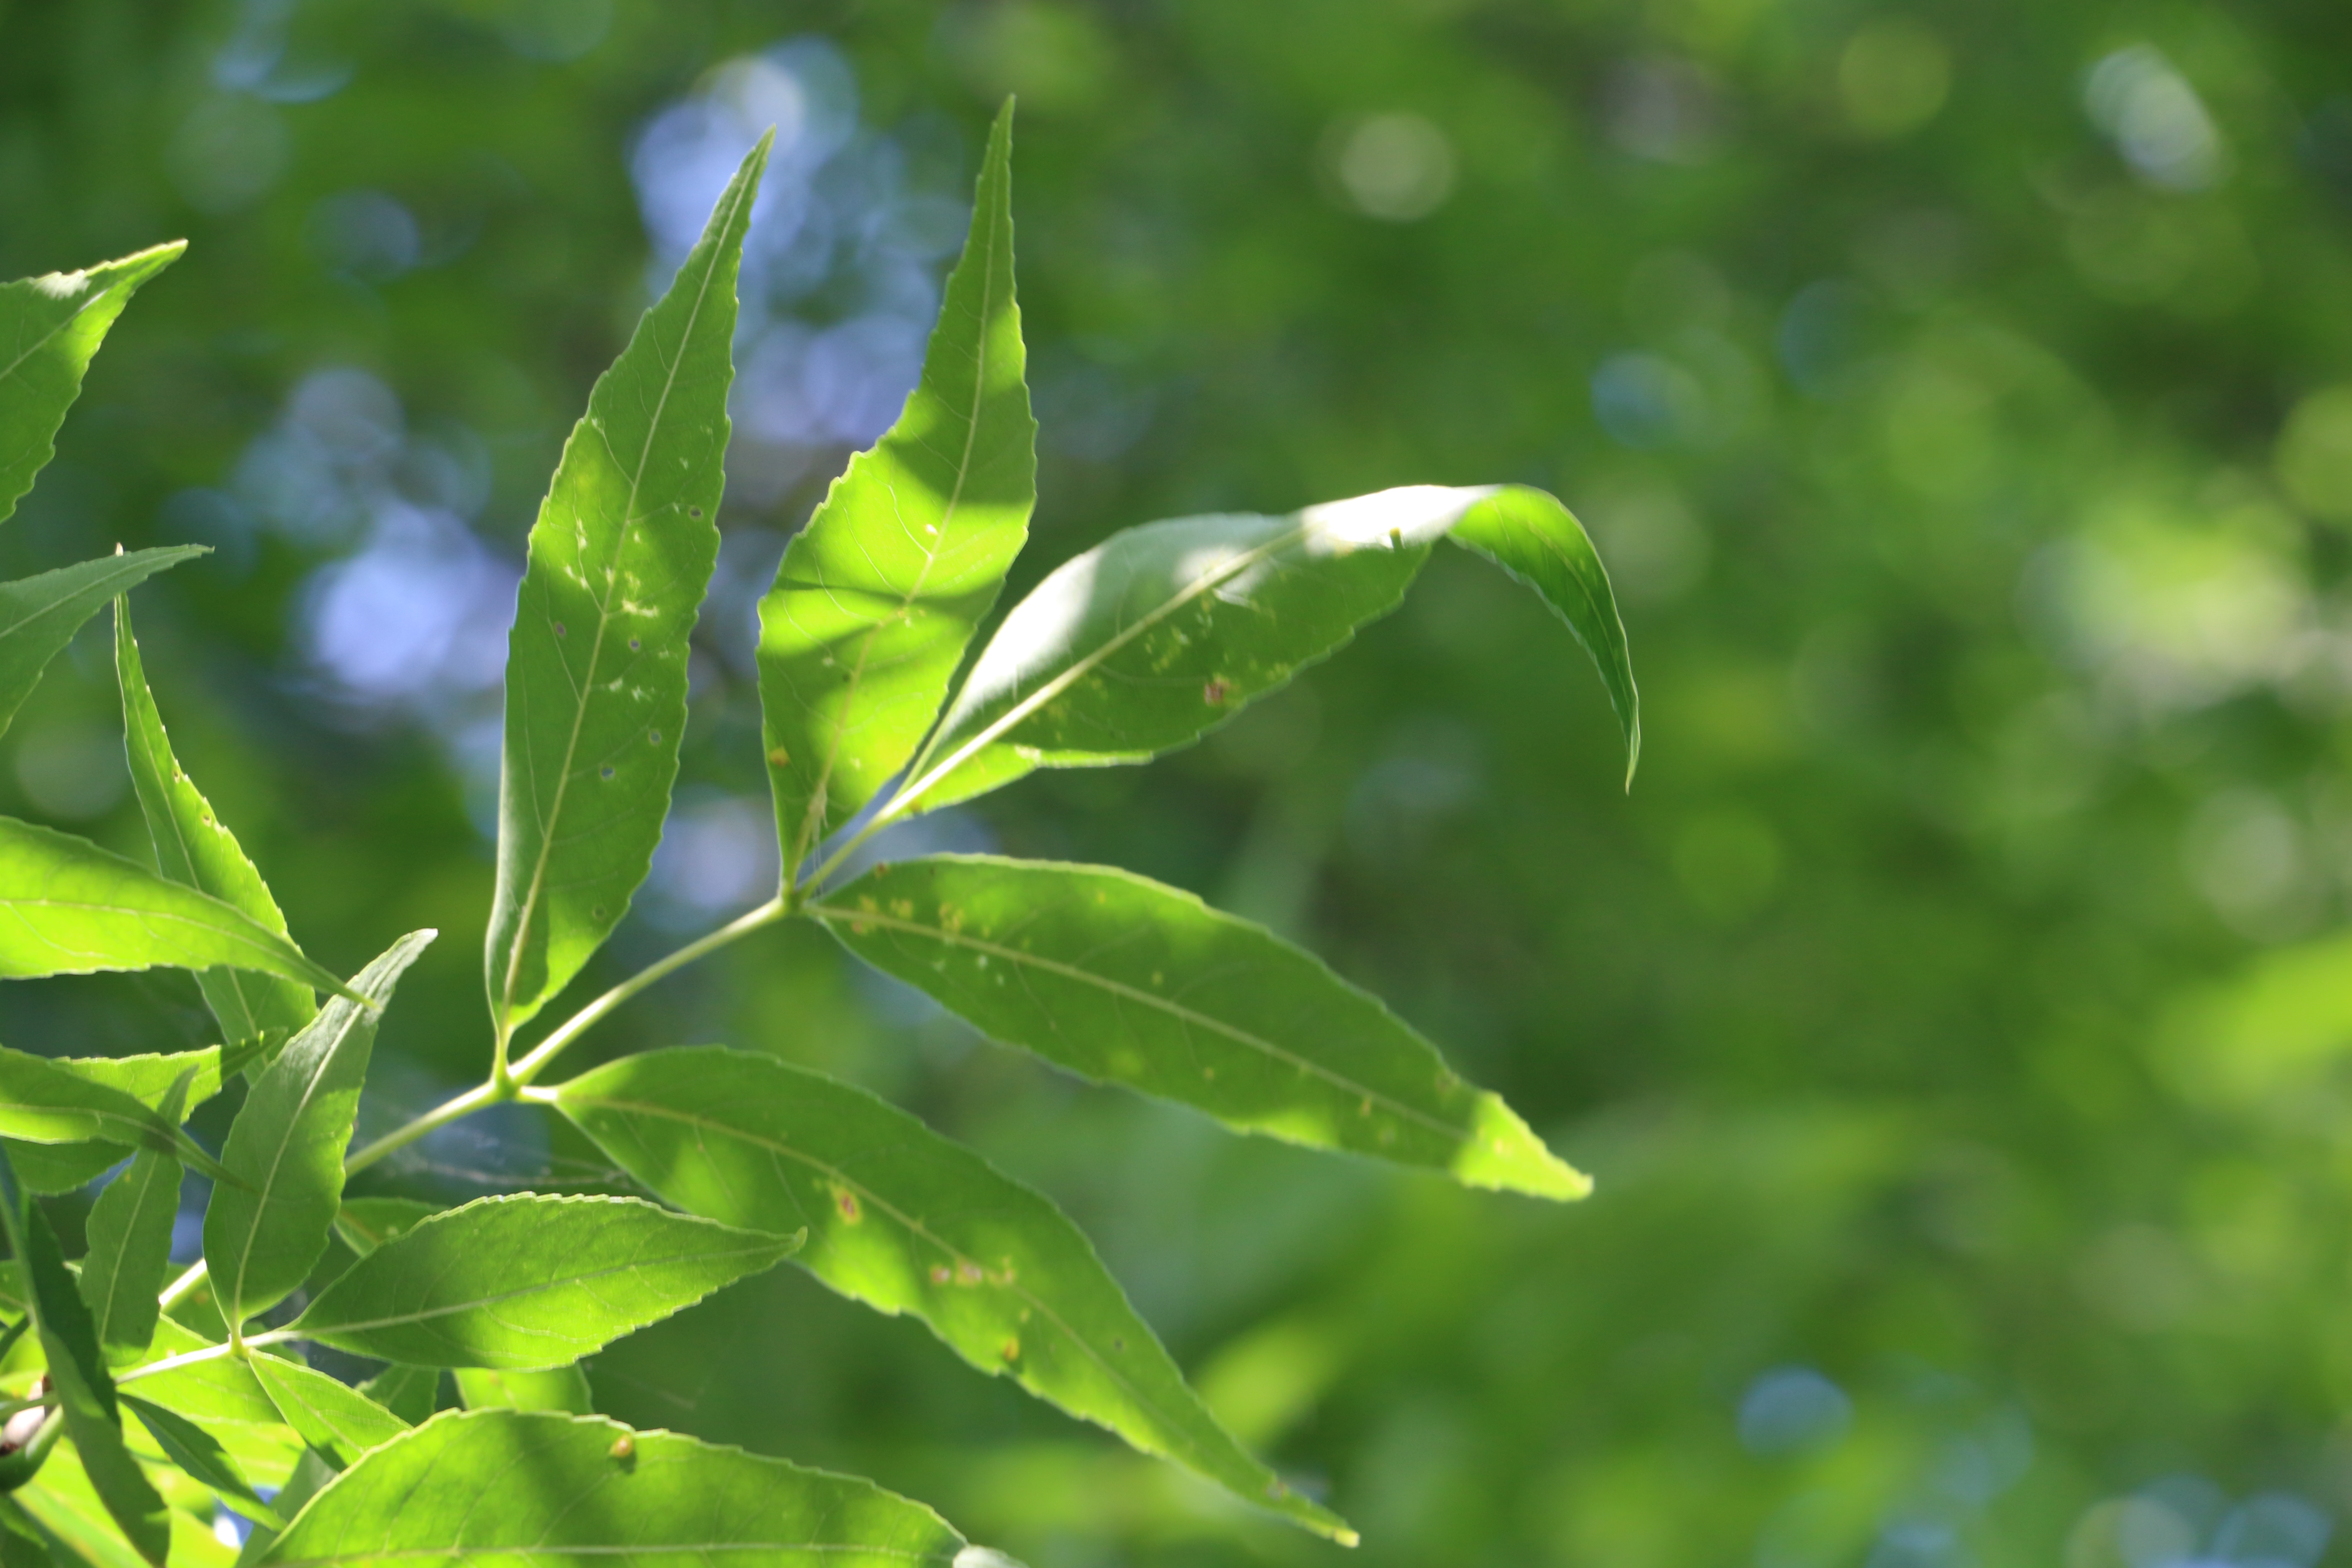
[{"x": 1958, "y": 1006}]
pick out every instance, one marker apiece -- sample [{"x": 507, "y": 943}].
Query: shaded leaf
[
  {"x": 1124, "y": 981},
  {"x": 877, "y": 596},
  {"x": 563, "y": 1388},
  {"x": 77, "y": 1375},
  {"x": 910, "y": 1221},
  {"x": 71, "y": 908},
  {"x": 287, "y": 1145},
  {"x": 130, "y": 1235},
  {"x": 596, "y": 663},
  {"x": 1163, "y": 632},
  {"x": 49, "y": 328},
  {"x": 366, "y": 1223},
  {"x": 446, "y": 1489},
  {"x": 411, "y": 1393},
  {"x": 193, "y": 847},
  {"x": 530, "y": 1281},
  {"x": 337, "y": 1420},
  {"x": 38, "y": 616},
  {"x": 311, "y": 1474},
  {"x": 199, "y": 1454}
]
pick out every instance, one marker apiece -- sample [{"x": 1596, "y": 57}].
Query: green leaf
[
  {"x": 222, "y": 1389},
  {"x": 339, "y": 1421},
  {"x": 130, "y": 1244},
  {"x": 200, "y": 1454},
  {"x": 46, "y": 1100},
  {"x": 310, "y": 1476},
  {"x": 878, "y": 596},
  {"x": 49, "y": 328},
  {"x": 1163, "y": 632},
  {"x": 38, "y": 616},
  {"x": 563, "y": 1388},
  {"x": 78, "y": 1373},
  {"x": 366, "y": 1223},
  {"x": 73, "y": 909},
  {"x": 596, "y": 663},
  {"x": 62, "y": 1167},
  {"x": 287, "y": 1145},
  {"x": 599, "y": 1492},
  {"x": 1539, "y": 542},
  {"x": 908, "y": 1221},
  {"x": 411, "y": 1393},
  {"x": 1124, "y": 981},
  {"x": 530, "y": 1281},
  {"x": 193, "y": 848}
]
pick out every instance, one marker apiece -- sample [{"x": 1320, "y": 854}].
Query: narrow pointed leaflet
[
  {"x": 530, "y": 1282},
  {"x": 1124, "y": 981},
  {"x": 878, "y": 596},
  {"x": 198, "y": 1453},
  {"x": 193, "y": 847},
  {"x": 455, "y": 1490},
  {"x": 1163, "y": 632},
  {"x": 67, "y": 907},
  {"x": 38, "y": 616},
  {"x": 596, "y": 663},
  {"x": 337, "y": 1420},
  {"x": 131, "y": 1243},
  {"x": 287, "y": 1146},
  {"x": 49, "y": 328},
  {"x": 910, "y": 1221},
  {"x": 78, "y": 1373},
  {"x": 47, "y": 1166}
]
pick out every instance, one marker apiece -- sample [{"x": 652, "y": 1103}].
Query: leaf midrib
[
  {"x": 1124, "y": 992},
  {"x": 352, "y": 1015},
  {"x": 95, "y": 586},
  {"x": 43, "y": 341},
  {"x": 800, "y": 1548},
  {"x": 604, "y": 620}
]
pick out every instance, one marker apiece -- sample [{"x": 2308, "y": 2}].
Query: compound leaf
[
  {"x": 131, "y": 1243},
  {"x": 620, "y": 556},
  {"x": 878, "y": 596},
  {"x": 1122, "y": 980},
  {"x": 72, "y": 908},
  {"x": 200, "y": 1454},
  {"x": 287, "y": 1147},
  {"x": 337, "y": 1420},
  {"x": 192, "y": 847},
  {"x": 597, "y": 1492},
  {"x": 530, "y": 1281},
  {"x": 218, "y": 1389},
  {"x": 908, "y": 1221},
  {"x": 1163, "y": 632},
  {"x": 61, "y": 1167},
  {"x": 78, "y": 1373},
  {"x": 38, "y": 616},
  {"x": 49, "y": 328}
]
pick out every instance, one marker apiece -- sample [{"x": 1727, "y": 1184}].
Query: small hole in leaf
[
  {"x": 597, "y": 914},
  {"x": 559, "y": 631},
  {"x": 694, "y": 512},
  {"x": 652, "y": 737},
  {"x": 607, "y": 769},
  {"x": 634, "y": 644}
]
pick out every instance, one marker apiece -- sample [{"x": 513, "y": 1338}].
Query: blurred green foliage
[{"x": 1956, "y": 1016}]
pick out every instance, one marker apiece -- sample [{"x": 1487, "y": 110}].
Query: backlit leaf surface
[
  {"x": 530, "y": 1281},
  {"x": 199, "y": 1454},
  {"x": 596, "y": 663},
  {"x": 130, "y": 1234},
  {"x": 910, "y": 1221},
  {"x": 336, "y": 1419},
  {"x": 1125, "y": 980},
  {"x": 548, "y": 1489},
  {"x": 38, "y": 616},
  {"x": 877, "y": 596},
  {"x": 558, "y": 1388},
  {"x": 49, "y": 328},
  {"x": 287, "y": 1145},
  {"x": 193, "y": 847}
]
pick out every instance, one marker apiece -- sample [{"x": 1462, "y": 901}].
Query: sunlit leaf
[
  {"x": 67, "y": 907},
  {"x": 337, "y": 1420},
  {"x": 130, "y": 1234},
  {"x": 560, "y": 1388},
  {"x": 193, "y": 847},
  {"x": 199, "y": 1454},
  {"x": 598, "y": 1493},
  {"x": 1163, "y": 632},
  {"x": 530, "y": 1281},
  {"x": 1124, "y": 981},
  {"x": 366, "y": 1223},
  {"x": 287, "y": 1146},
  {"x": 877, "y": 596},
  {"x": 38, "y": 616},
  {"x": 49, "y": 328},
  {"x": 596, "y": 664},
  {"x": 78, "y": 1373},
  {"x": 910, "y": 1221},
  {"x": 218, "y": 1389},
  {"x": 61, "y": 1167}
]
